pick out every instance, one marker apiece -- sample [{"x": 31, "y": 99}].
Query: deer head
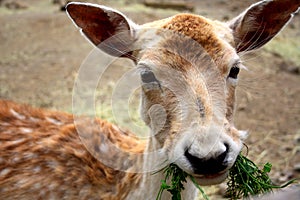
[{"x": 189, "y": 68}]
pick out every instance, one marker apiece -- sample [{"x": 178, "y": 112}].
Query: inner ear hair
[
  {"x": 261, "y": 22},
  {"x": 101, "y": 23}
]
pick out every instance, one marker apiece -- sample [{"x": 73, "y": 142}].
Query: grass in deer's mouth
[
  {"x": 178, "y": 178},
  {"x": 245, "y": 179}
]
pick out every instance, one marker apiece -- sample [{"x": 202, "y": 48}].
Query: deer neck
[{"x": 152, "y": 175}]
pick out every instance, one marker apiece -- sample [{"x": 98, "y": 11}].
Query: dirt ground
[{"x": 41, "y": 52}]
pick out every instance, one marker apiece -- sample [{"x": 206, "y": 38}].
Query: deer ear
[
  {"x": 261, "y": 22},
  {"x": 99, "y": 23}
]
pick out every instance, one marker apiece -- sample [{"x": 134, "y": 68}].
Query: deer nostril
[{"x": 206, "y": 166}]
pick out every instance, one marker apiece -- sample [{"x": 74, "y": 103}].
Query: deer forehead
[{"x": 215, "y": 37}]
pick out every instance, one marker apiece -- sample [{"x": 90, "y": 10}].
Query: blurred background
[{"x": 41, "y": 52}]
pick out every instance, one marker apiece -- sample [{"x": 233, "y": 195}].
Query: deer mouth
[{"x": 211, "y": 179}]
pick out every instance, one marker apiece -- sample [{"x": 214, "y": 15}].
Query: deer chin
[{"x": 210, "y": 179}]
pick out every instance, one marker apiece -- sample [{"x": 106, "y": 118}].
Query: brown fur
[
  {"x": 35, "y": 143},
  {"x": 203, "y": 31}
]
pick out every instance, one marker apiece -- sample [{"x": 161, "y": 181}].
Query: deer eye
[
  {"x": 148, "y": 76},
  {"x": 234, "y": 71}
]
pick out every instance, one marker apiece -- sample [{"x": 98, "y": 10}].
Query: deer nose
[{"x": 208, "y": 166}]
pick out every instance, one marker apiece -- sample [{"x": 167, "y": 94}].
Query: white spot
[
  {"x": 17, "y": 141},
  {"x": 84, "y": 191},
  {"x": 5, "y": 189},
  {"x": 17, "y": 115},
  {"x": 26, "y": 130},
  {"x": 8, "y": 131},
  {"x": 5, "y": 171},
  {"x": 52, "y": 164},
  {"x": 52, "y": 186},
  {"x": 37, "y": 186},
  {"x": 4, "y": 124},
  {"x": 21, "y": 182},
  {"x": 33, "y": 119},
  {"x": 37, "y": 169},
  {"x": 103, "y": 148},
  {"x": 43, "y": 192},
  {"x": 29, "y": 155},
  {"x": 115, "y": 127},
  {"x": 16, "y": 159},
  {"x": 54, "y": 121}
]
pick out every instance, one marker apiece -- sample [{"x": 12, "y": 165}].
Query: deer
[{"x": 43, "y": 156}]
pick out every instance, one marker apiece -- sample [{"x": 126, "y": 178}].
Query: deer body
[
  {"x": 187, "y": 91},
  {"x": 53, "y": 163},
  {"x": 42, "y": 156}
]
